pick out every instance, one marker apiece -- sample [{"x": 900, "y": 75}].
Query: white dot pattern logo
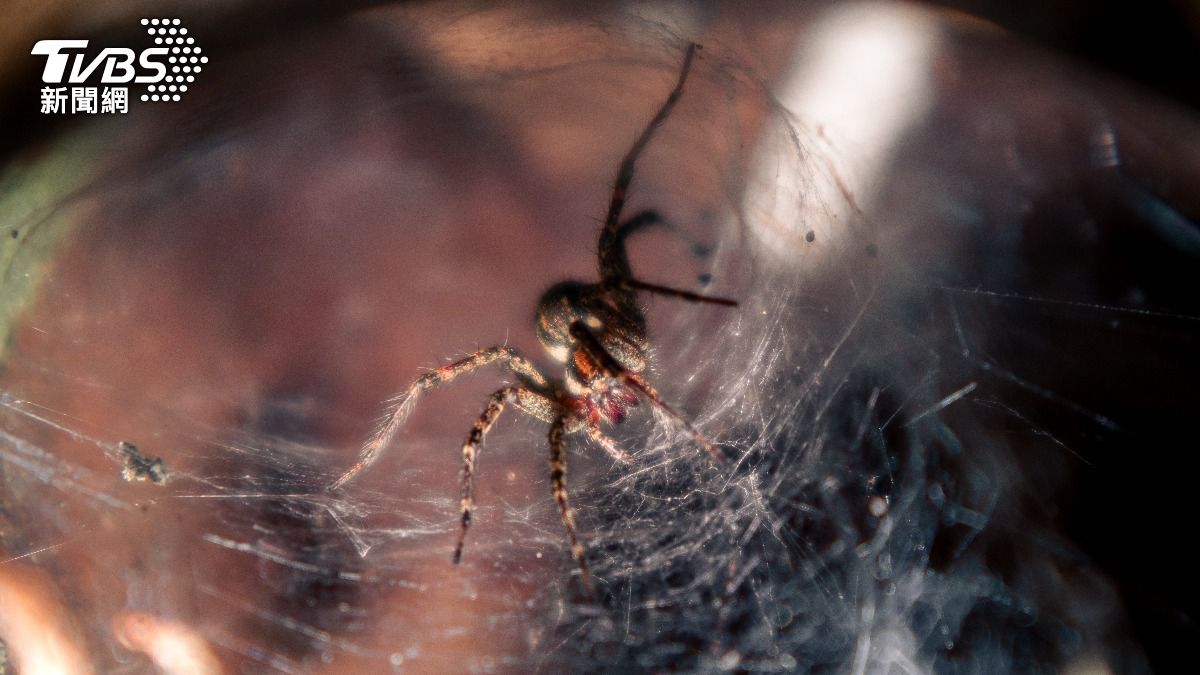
[{"x": 169, "y": 33}]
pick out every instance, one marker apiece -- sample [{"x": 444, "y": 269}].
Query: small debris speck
[{"x": 139, "y": 467}]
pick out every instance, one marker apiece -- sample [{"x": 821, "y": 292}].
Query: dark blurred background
[
  {"x": 1152, "y": 43},
  {"x": 1132, "y": 513}
]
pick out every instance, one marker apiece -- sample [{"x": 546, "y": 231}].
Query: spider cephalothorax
[
  {"x": 596, "y": 330},
  {"x": 618, "y": 327}
]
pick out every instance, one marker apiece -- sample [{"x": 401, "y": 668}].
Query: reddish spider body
[
  {"x": 610, "y": 403},
  {"x": 596, "y": 330}
]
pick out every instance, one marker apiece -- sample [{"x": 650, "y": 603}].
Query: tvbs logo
[
  {"x": 118, "y": 63},
  {"x": 166, "y": 70}
]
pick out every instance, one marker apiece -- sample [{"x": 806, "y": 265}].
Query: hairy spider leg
[
  {"x": 401, "y": 405},
  {"x": 558, "y": 482},
  {"x": 535, "y": 403},
  {"x": 612, "y": 369}
]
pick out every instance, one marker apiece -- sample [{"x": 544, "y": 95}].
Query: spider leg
[
  {"x": 633, "y": 225},
  {"x": 615, "y": 272},
  {"x": 613, "y": 369},
  {"x": 612, "y": 252},
  {"x": 400, "y": 406},
  {"x": 674, "y": 292},
  {"x": 558, "y": 482},
  {"x": 610, "y": 446},
  {"x": 525, "y": 399}
]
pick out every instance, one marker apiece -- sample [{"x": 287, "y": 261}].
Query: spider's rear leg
[
  {"x": 526, "y": 399},
  {"x": 558, "y": 482},
  {"x": 400, "y": 406},
  {"x": 611, "y": 368}
]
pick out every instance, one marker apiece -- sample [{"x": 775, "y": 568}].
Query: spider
[{"x": 596, "y": 330}]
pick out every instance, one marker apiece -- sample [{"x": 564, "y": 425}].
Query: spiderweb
[{"x": 907, "y": 390}]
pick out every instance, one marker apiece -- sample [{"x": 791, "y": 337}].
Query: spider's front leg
[
  {"x": 400, "y": 406},
  {"x": 530, "y": 401},
  {"x": 558, "y": 482}
]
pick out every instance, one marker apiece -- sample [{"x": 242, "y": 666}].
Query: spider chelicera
[{"x": 597, "y": 330}]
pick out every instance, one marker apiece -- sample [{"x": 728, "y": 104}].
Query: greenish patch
[{"x": 39, "y": 194}]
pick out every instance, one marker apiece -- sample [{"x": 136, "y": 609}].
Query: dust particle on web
[{"x": 139, "y": 467}]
